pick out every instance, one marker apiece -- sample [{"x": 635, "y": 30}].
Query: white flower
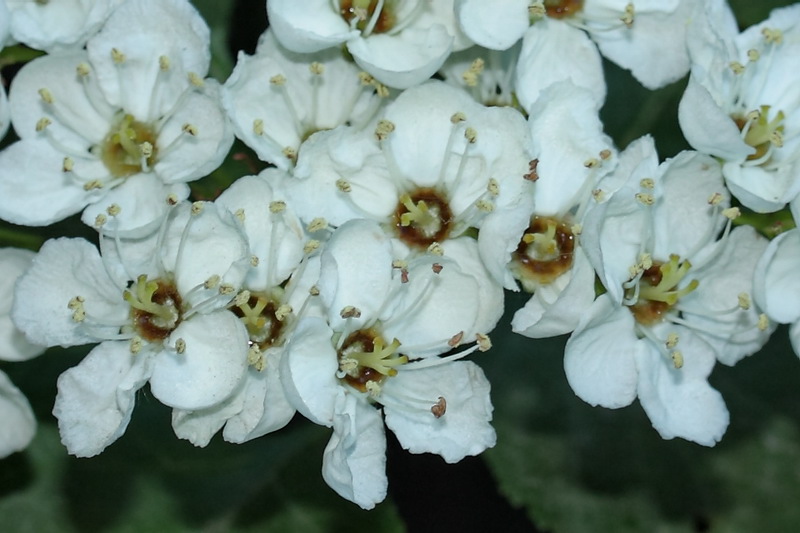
[
  {"x": 158, "y": 308},
  {"x": 126, "y": 122},
  {"x": 383, "y": 348},
  {"x": 400, "y": 43},
  {"x": 777, "y": 287},
  {"x": 277, "y": 99},
  {"x": 58, "y": 25},
  {"x": 16, "y": 416},
  {"x": 740, "y": 104},
  {"x": 677, "y": 300}
]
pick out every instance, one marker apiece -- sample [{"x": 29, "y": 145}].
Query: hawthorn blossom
[
  {"x": 386, "y": 327},
  {"x": 159, "y": 309},
  {"x": 127, "y": 122},
  {"x": 678, "y": 298},
  {"x": 16, "y": 416},
  {"x": 400, "y": 43},
  {"x": 276, "y": 99},
  {"x": 60, "y": 25},
  {"x": 741, "y": 105}
]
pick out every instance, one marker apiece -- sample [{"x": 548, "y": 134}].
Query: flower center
[
  {"x": 423, "y": 218},
  {"x": 369, "y": 16},
  {"x": 129, "y": 148},
  {"x": 544, "y": 252},
  {"x": 760, "y": 132},
  {"x": 657, "y": 290},
  {"x": 265, "y": 318},
  {"x": 560, "y": 9},
  {"x": 155, "y": 307},
  {"x": 365, "y": 357}
]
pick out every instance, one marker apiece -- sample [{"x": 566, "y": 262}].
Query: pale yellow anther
[
  {"x": 373, "y": 389},
  {"x": 592, "y": 163},
  {"x": 78, "y": 312},
  {"x": 677, "y": 359},
  {"x": 598, "y": 195},
  {"x": 763, "y": 322},
  {"x": 715, "y": 199},
  {"x": 634, "y": 270},
  {"x": 470, "y": 78},
  {"x": 290, "y": 153},
  {"x": 605, "y": 154},
  {"x": 672, "y": 340},
  {"x": 113, "y": 210},
  {"x": 399, "y": 263},
  {"x": 146, "y": 149},
  {"x": 736, "y": 67},
  {"x": 458, "y": 117},
  {"x": 136, "y": 345},
  {"x": 278, "y": 80},
  {"x": 647, "y": 183},
  {"x": 180, "y": 346},
  {"x": 317, "y": 224},
  {"x": 645, "y": 199},
  {"x": 254, "y": 261},
  {"x": 226, "y": 289},
  {"x": 212, "y": 281},
  {"x": 242, "y": 298},
  {"x": 383, "y": 129},
  {"x": 92, "y": 185},
  {"x": 316, "y": 68},
  {"x": 576, "y": 229},
  {"x": 484, "y": 206},
  {"x": 536, "y": 11},
  {"x": 197, "y": 208},
  {"x": 493, "y": 187},
  {"x": 283, "y": 311},
  {"x": 68, "y": 164},
  {"x": 191, "y": 129},
  {"x": 343, "y": 185},
  {"x": 436, "y": 249},
  {"x": 311, "y": 246},
  {"x": 744, "y": 301},
  {"x": 172, "y": 199},
  {"x": 628, "y": 17},
  {"x": 196, "y": 80},
  {"x": 776, "y": 138},
  {"x": 350, "y": 311},
  {"x": 83, "y": 69},
  {"x": 471, "y": 135},
  {"x": 646, "y": 261},
  {"x": 753, "y": 54},
  {"x": 100, "y": 220},
  {"x": 732, "y": 213},
  {"x": 365, "y": 78},
  {"x": 381, "y": 90},
  {"x": 258, "y": 126},
  {"x": 239, "y": 214},
  {"x": 42, "y": 123},
  {"x": 117, "y": 56},
  {"x": 484, "y": 342},
  {"x": 278, "y": 206},
  {"x": 47, "y": 96},
  {"x": 772, "y": 35},
  {"x": 314, "y": 290},
  {"x": 163, "y": 62},
  {"x": 255, "y": 358}
]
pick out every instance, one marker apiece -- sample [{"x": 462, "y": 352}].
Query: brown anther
[
  {"x": 532, "y": 175},
  {"x": 436, "y": 267},
  {"x": 440, "y": 408},
  {"x": 455, "y": 340}
]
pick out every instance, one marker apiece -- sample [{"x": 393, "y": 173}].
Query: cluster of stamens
[
  {"x": 366, "y": 358},
  {"x": 155, "y": 307},
  {"x": 544, "y": 253},
  {"x": 654, "y": 291}
]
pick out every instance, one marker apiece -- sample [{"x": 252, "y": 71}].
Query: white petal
[
  {"x": 464, "y": 428},
  {"x": 354, "y": 461},
  {"x": 356, "y": 271},
  {"x": 494, "y": 25},
  {"x": 308, "y": 26},
  {"x": 777, "y": 285},
  {"x": 209, "y": 370},
  {"x": 16, "y": 418},
  {"x": 57, "y": 25},
  {"x": 599, "y": 358},
  {"x": 499, "y": 237},
  {"x": 680, "y": 402},
  {"x": 308, "y": 371},
  {"x": 13, "y": 345},
  {"x": 64, "y": 269},
  {"x": 144, "y": 31},
  {"x": 403, "y": 59},
  {"x": 96, "y": 398},
  {"x": 758, "y": 189},
  {"x": 541, "y": 61},
  {"x": 198, "y": 427}
]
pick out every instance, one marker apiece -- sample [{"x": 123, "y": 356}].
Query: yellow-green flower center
[
  {"x": 560, "y": 9},
  {"x": 362, "y": 14},
  {"x": 544, "y": 253},
  {"x": 129, "y": 148},
  {"x": 760, "y": 131},
  {"x": 155, "y": 307},
  {"x": 265, "y": 317},
  {"x": 422, "y": 218},
  {"x": 658, "y": 291},
  {"x": 365, "y": 357}
]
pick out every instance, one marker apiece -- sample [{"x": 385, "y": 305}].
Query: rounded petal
[
  {"x": 13, "y": 345},
  {"x": 96, "y": 398},
  {"x": 65, "y": 269},
  {"x": 462, "y": 429},
  {"x": 16, "y": 418},
  {"x": 308, "y": 26},
  {"x": 499, "y": 238},
  {"x": 354, "y": 461},
  {"x": 210, "y": 368},
  {"x": 758, "y": 189},
  {"x": 777, "y": 285},
  {"x": 494, "y": 25},
  {"x": 600, "y": 356},
  {"x": 57, "y": 25}
]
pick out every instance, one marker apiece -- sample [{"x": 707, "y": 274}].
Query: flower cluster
[{"x": 350, "y": 279}]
